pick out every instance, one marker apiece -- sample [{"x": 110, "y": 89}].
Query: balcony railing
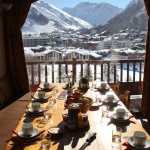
[{"x": 109, "y": 71}]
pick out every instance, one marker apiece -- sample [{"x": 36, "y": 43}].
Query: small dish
[
  {"x": 125, "y": 118},
  {"x": 20, "y": 134},
  {"x": 139, "y": 147},
  {"x": 55, "y": 130}
]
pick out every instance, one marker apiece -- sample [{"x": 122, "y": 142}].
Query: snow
[{"x": 57, "y": 19}]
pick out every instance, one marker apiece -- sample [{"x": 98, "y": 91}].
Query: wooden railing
[{"x": 109, "y": 71}]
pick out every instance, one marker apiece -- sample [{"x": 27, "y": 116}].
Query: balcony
[{"x": 125, "y": 71}]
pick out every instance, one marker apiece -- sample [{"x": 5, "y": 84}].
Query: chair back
[
  {"x": 117, "y": 87},
  {"x": 125, "y": 98}
]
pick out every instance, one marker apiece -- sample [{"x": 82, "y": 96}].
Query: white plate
[
  {"x": 40, "y": 110},
  {"x": 35, "y": 132},
  {"x": 147, "y": 144},
  {"x": 125, "y": 118},
  {"x": 45, "y": 98}
]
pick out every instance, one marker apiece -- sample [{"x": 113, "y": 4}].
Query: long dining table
[{"x": 74, "y": 139}]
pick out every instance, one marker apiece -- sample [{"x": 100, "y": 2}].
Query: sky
[{"x": 71, "y": 3}]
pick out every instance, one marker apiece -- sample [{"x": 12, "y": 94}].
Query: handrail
[{"x": 103, "y": 69}]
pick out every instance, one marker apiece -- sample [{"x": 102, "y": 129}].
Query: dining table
[{"x": 74, "y": 139}]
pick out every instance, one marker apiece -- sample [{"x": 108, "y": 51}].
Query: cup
[
  {"x": 104, "y": 117},
  {"x": 103, "y": 85},
  {"x": 139, "y": 138},
  {"x": 46, "y": 85},
  {"x": 116, "y": 134},
  {"x": 120, "y": 112},
  {"x": 41, "y": 94},
  {"x": 36, "y": 106},
  {"x": 110, "y": 97},
  {"x": 46, "y": 142},
  {"x": 27, "y": 128}
]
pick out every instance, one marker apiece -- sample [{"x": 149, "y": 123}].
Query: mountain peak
[
  {"x": 44, "y": 17},
  {"x": 94, "y": 13}
]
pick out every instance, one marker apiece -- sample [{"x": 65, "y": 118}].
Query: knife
[{"x": 91, "y": 137}]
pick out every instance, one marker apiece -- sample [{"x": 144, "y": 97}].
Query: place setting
[
  {"x": 138, "y": 141},
  {"x": 35, "y": 109},
  {"x": 111, "y": 100},
  {"x": 103, "y": 88},
  {"x": 121, "y": 115},
  {"x": 41, "y": 97},
  {"x": 28, "y": 132},
  {"x": 46, "y": 87}
]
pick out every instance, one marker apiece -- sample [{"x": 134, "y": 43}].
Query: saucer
[
  {"x": 45, "y": 98},
  {"x": 140, "y": 147},
  {"x": 47, "y": 89},
  {"x": 35, "y": 132},
  {"x": 40, "y": 110},
  {"x": 125, "y": 118},
  {"x": 106, "y": 88},
  {"x": 114, "y": 101}
]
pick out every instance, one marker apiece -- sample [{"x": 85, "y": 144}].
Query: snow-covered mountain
[
  {"x": 44, "y": 17},
  {"x": 94, "y": 13},
  {"x": 133, "y": 17}
]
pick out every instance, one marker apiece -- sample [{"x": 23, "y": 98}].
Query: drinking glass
[
  {"x": 45, "y": 142},
  {"x": 104, "y": 116},
  {"x": 47, "y": 115},
  {"x": 116, "y": 137},
  {"x": 97, "y": 97}
]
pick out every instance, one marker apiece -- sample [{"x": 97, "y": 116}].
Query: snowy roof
[{"x": 84, "y": 52}]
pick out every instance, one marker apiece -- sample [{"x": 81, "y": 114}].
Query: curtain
[
  {"x": 14, "y": 51},
  {"x": 146, "y": 84}
]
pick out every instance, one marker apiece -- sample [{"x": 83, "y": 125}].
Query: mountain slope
[
  {"x": 93, "y": 12},
  {"x": 44, "y": 17},
  {"x": 133, "y": 17}
]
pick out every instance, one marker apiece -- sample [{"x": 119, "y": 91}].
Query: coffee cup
[
  {"x": 36, "y": 106},
  {"x": 27, "y": 129},
  {"x": 120, "y": 112},
  {"x": 139, "y": 138},
  {"x": 46, "y": 85},
  {"x": 103, "y": 85},
  {"x": 110, "y": 97},
  {"x": 41, "y": 94}
]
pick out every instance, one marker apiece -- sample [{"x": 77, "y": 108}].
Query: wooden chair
[
  {"x": 116, "y": 87},
  {"x": 136, "y": 99},
  {"x": 125, "y": 98}
]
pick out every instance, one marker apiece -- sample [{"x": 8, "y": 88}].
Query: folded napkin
[
  {"x": 128, "y": 145},
  {"x": 16, "y": 133}
]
